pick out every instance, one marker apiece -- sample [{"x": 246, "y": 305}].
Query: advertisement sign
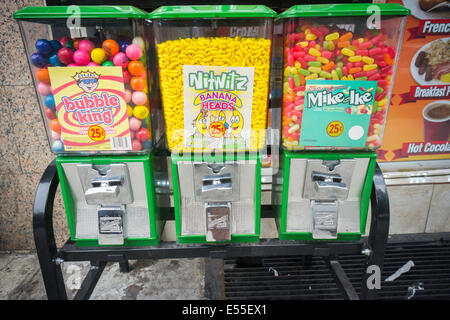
[
  {"x": 418, "y": 123},
  {"x": 91, "y": 108}
]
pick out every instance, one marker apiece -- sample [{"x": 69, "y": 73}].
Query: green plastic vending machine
[
  {"x": 214, "y": 66},
  {"x": 89, "y": 67},
  {"x": 339, "y": 64}
]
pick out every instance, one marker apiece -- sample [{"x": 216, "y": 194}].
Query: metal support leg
[
  {"x": 341, "y": 279},
  {"x": 214, "y": 279},
  {"x": 124, "y": 266},
  {"x": 44, "y": 238},
  {"x": 379, "y": 231},
  {"x": 90, "y": 281}
]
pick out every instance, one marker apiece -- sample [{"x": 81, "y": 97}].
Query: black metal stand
[{"x": 50, "y": 257}]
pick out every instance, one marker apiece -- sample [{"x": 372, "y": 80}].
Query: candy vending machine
[
  {"x": 339, "y": 64},
  {"x": 214, "y": 66},
  {"x": 90, "y": 71}
]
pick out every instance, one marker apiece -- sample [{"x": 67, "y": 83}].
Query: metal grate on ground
[{"x": 288, "y": 278}]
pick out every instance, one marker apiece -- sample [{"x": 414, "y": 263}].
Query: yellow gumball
[
  {"x": 140, "y": 112},
  {"x": 130, "y": 110},
  {"x": 98, "y": 55}
]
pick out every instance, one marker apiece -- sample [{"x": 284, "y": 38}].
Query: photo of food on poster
[{"x": 418, "y": 123}]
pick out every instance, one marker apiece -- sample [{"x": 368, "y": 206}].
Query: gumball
[
  {"x": 38, "y": 60},
  {"x": 127, "y": 95},
  {"x": 54, "y": 125},
  {"x": 56, "y": 45},
  {"x": 123, "y": 45},
  {"x": 140, "y": 112},
  {"x": 44, "y": 89},
  {"x": 50, "y": 101},
  {"x": 56, "y": 135},
  {"x": 135, "y": 124},
  {"x": 92, "y": 64},
  {"x": 54, "y": 60},
  {"x": 76, "y": 44},
  {"x": 81, "y": 57},
  {"x": 98, "y": 55},
  {"x": 58, "y": 146},
  {"x": 65, "y": 55},
  {"x": 142, "y": 134},
  {"x": 64, "y": 40},
  {"x": 139, "y": 41},
  {"x": 42, "y": 75},
  {"x": 69, "y": 44},
  {"x": 121, "y": 60},
  {"x": 137, "y": 83},
  {"x": 110, "y": 46},
  {"x": 139, "y": 98},
  {"x": 43, "y": 46},
  {"x": 108, "y": 64},
  {"x": 50, "y": 113},
  {"x": 129, "y": 110},
  {"x": 146, "y": 144},
  {"x": 86, "y": 45},
  {"x": 126, "y": 76},
  {"x": 132, "y": 134},
  {"x": 136, "y": 68},
  {"x": 136, "y": 145},
  {"x": 134, "y": 52}
]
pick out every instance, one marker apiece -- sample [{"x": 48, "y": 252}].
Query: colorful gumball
[
  {"x": 135, "y": 124},
  {"x": 42, "y": 75},
  {"x": 121, "y": 60},
  {"x": 56, "y": 45},
  {"x": 134, "y": 52},
  {"x": 64, "y": 40},
  {"x": 140, "y": 112},
  {"x": 110, "y": 46},
  {"x": 136, "y": 68},
  {"x": 54, "y": 60},
  {"x": 50, "y": 101},
  {"x": 123, "y": 45},
  {"x": 136, "y": 145},
  {"x": 76, "y": 44},
  {"x": 38, "y": 60},
  {"x": 130, "y": 111},
  {"x": 142, "y": 134},
  {"x": 86, "y": 45},
  {"x": 92, "y": 64},
  {"x": 108, "y": 64},
  {"x": 138, "y": 41},
  {"x": 139, "y": 98},
  {"x": 58, "y": 146},
  {"x": 98, "y": 55},
  {"x": 69, "y": 44},
  {"x": 44, "y": 47},
  {"x": 126, "y": 76},
  {"x": 127, "y": 95},
  {"x": 137, "y": 83},
  {"x": 81, "y": 57},
  {"x": 65, "y": 55},
  {"x": 50, "y": 113},
  {"x": 54, "y": 125},
  {"x": 44, "y": 89},
  {"x": 56, "y": 135}
]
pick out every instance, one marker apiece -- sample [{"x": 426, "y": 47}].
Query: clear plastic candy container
[
  {"x": 339, "y": 67},
  {"x": 90, "y": 73},
  {"x": 214, "y": 66}
]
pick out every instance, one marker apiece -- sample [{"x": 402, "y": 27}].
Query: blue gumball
[
  {"x": 146, "y": 145},
  {"x": 58, "y": 146},
  {"x": 50, "y": 101},
  {"x": 56, "y": 45},
  {"x": 123, "y": 45},
  {"x": 38, "y": 60},
  {"x": 43, "y": 46},
  {"x": 54, "y": 60}
]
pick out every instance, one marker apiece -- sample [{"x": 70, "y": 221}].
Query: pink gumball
[
  {"x": 64, "y": 40},
  {"x": 50, "y": 113},
  {"x": 134, "y": 52},
  {"x": 56, "y": 135},
  {"x": 44, "y": 89},
  {"x": 121, "y": 60},
  {"x": 139, "y": 98},
  {"x": 72, "y": 65},
  {"x": 136, "y": 145},
  {"x": 127, "y": 95},
  {"x": 86, "y": 45},
  {"x": 126, "y": 76},
  {"x": 135, "y": 124},
  {"x": 132, "y": 134},
  {"x": 92, "y": 64},
  {"x": 81, "y": 57}
]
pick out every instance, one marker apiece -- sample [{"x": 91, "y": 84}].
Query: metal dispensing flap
[
  {"x": 216, "y": 181},
  {"x": 324, "y": 219},
  {"x": 218, "y": 221},
  {"x": 105, "y": 184},
  {"x": 110, "y": 225}
]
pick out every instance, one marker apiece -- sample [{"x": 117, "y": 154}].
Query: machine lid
[
  {"x": 212, "y": 11},
  {"x": 90, "y": 12},
  {"x": 340, "y": 10}
]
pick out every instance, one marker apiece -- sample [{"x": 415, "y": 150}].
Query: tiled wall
[{"x": 24, "y": 150}]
